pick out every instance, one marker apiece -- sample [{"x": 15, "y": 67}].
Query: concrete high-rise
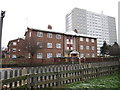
[{"x": 90, "y": 23}]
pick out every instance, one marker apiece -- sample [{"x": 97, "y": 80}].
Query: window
[
  {"x": 69, "y": 41},
  {"x": 30, "y": 34},
  {"x": 81, "y": 55},
  {"x": 49, "y": 45},
  {"x": 40, "y": 44},
  {"x": 14, "y": 49},
  {"x": 87, "y": 47},
  {"x": 49, "y": 35},
  {"x": 93, "y": 48},
  {"x": 40, "y": 34},
  {"x": 93, "y": 55},
  {"x": 81, "y": 47},
  {"x": 88, "y": 55},
  {"x": 92, "y": 40},
  {"x": 14, "y": 56},
  {"x": 58, "y": 36},
  {"x": 29, "y": 55},
  {"x": 58, "y": 45},
  {"x": 49, "y": 55},
  {"x": 39, "y": 55},
  {"x": 81, "y": 38},
  {"x": 58, "y": 54},
  {"x": 14, "y": 43},
  {"x": 67, "y": 48},
  {"x": 87, "y": 39}
]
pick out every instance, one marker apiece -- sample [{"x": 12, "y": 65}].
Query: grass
[{"x": 112, "y": 81}]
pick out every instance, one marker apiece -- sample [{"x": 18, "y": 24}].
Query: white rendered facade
[{"x": 89, "y": 23}]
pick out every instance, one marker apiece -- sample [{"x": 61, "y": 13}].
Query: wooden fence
[{"x": 56, "y": 75}]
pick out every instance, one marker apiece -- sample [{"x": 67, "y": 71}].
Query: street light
[{"x": 1, "y": 23}]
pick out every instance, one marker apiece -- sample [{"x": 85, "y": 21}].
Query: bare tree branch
[{"x": 32, "y": 45}]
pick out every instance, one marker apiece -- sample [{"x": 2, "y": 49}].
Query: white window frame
[
  {"x": 67, "y": 48},
  {"x": 58, "y": 54},
  {"x": 87, "y": 55},
  {"x": 87, "y": 39},
  {"x": 39, "y": 34},
  {"x": 81, "y": 55},
  {"x": 49, "y": 35},
  {"x": 39, "y": 55},
  {"x": 93, "y": 55},
  {"x": 58, "y": 36},
  {"x": 14, "y": 43},
  {"x": 30, "y": 34},
  {"x": 14, "y": 49},
  {"x": 29, "y": 55},
  {"x": 92, "y": 40},
  {"x": 58, "y": 45},
  {"x": 81, "y": 38},
  {"x": 87, "y": 47},
  {"x": 14, "y": 56},
  {"x": 93, "y": 48},
  {"x": 49, "y": 45},
  {"x": 81, "y": 47},
  {"x": 71, "y": 48},
  {"x": 40, "y": 44},
  {"x": 49, "y": 55}
]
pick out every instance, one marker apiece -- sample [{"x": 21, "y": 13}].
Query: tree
[
  {"x": 104, "y": 49},
  {"x": 31, "y": 45},
  {"x": 114, "y": 50}
]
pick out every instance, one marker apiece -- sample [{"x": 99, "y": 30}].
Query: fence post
[
  {"x": 24, "y": 72},
  {"x": 58, "y": 77},
  {"x": 119, "y": 65},
  {"x": 82, "y": 72},
  {"x": 28, "y": 81},
  {"x": 35, "y": 81}
]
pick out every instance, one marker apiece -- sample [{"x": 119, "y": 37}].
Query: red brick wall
[
  {"x": 11, "y": 46},
  {"x": 46, "y": 40}
]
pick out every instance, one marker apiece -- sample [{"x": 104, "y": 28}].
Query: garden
[{"x": 112, "y": 81}]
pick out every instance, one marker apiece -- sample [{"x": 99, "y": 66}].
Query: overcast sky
[{"x": 39, "y": 13}]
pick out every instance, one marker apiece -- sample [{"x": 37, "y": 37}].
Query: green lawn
[{"x": 112, "y": 81}]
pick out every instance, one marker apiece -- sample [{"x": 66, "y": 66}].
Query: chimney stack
[
  {"x": 49, "y": 27},
  {"x": 75, "y": 30}
]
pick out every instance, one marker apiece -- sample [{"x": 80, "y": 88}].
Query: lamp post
[{"x": 1, "y": 24}]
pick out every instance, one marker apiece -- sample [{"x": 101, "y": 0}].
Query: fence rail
[{"x": 56, "y": 75}]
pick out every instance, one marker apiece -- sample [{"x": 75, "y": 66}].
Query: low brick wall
[{"x": 59, "y": 60}]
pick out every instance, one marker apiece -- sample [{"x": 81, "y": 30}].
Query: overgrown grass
[{"x": 112, "y": 81}]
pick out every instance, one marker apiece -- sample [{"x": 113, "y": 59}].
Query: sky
[{"x": 38, "y": 14}]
